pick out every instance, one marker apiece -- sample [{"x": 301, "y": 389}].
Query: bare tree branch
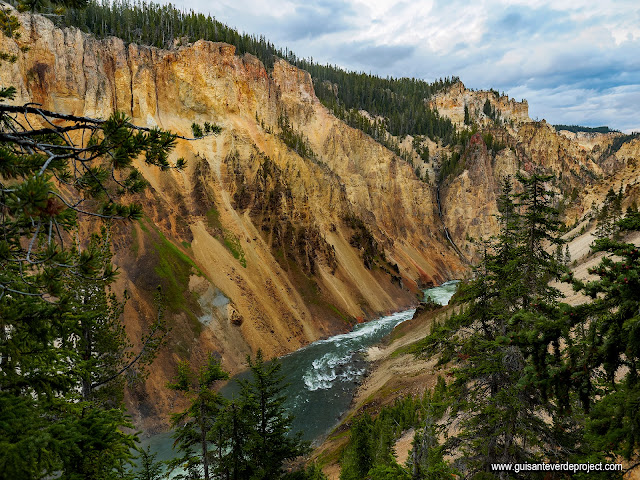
[
  {"x": 84, "y": 212},
  {"x": 25, "y": 109}
]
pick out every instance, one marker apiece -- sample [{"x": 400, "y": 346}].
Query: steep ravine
[
  {"x": 445, "y": 229},
  {"x": 254, "y": 245}
]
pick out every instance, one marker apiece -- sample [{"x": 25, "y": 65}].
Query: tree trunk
[{"x": 203, "y": 441}]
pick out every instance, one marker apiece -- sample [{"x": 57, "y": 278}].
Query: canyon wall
[
  {"x": 585, "y": 165},
  {"x": 259, "y": 244},
  {"x": 253, "y": 245},
  {"x": 452, "y": 102}
]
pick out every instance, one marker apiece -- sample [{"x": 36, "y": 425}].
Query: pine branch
[{"x": 90, "y": 123}]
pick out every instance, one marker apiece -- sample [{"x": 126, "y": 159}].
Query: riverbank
[{"x": 393, "y": 373}]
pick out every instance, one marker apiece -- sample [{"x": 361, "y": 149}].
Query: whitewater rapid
[{"x": 322, "y": 377}]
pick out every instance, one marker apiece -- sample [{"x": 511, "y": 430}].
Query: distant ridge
[{"x": 579, "y": 128}]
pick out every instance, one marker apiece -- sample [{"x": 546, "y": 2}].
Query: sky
[{"x": 575, "y": 61}]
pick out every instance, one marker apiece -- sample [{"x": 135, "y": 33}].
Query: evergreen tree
[
  {"x": 269, "y": 443},
  {"x": 359, "y": 458},
  {"x": 91, "y": 415},
  {"x": 604, "y": 356},
  {"x": 487, "y": 109},
  {"x": 426, "y": 459},
  {"x": 500, "y": 339},
  {"x": 193, "y": 425},
  {"x": 61, "y": 343},
  {"x": 602, "y": 216},
  {"x": 230, "y": 436},
  {"x": 29, "y": 447},
  {"x": 540, "y": 226},
  {"x": 609, "y": 214},
  {"x": 248, "y": 437},
  {"x": 150, "y": 468}
]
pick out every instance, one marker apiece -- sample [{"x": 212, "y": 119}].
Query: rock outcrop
[
  {"x": 451, "y": 103},
  {"x": 585, "y": 165}
]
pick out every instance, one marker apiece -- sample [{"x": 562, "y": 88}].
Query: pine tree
[
  {"x": 604, "y": 357},
  {"x": 487, "y": 109},
  {"x": 28, "y": 441},
  {"x": 150, "y": 468},
  {"x": 269, "y": 443},
  {"x": 194, "y": 425},
  {"x": 359, "y": 458},
  {"x": 609, "y": 214},
  {"x": 426, "y": 459},
  {"x": 61, "y": 341},
  {"x": 229, "y": 437},
  {"x": 499, "y": 340},
  {"x": 540, "y": 226}
]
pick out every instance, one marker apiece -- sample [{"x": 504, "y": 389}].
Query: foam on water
[{"x": 335, "y": 364}]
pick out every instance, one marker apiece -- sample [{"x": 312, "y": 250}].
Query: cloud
[
  {"x": 517, "y": 22},
  {"x": 615, "y": 107},
  {"x": 289, "y": 21},
  {"x": 378, "y": 57},
  {"x": 575, "y": 61},
  {"x": 310, "y": 21}
]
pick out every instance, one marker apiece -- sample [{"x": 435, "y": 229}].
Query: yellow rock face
[
  {"x": 585, "y": 166},
  {"x": 254, "y": 245},
  {"x": 451, "y": 102}
]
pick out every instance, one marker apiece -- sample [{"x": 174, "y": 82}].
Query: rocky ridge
[{"x": 452, "y": 102}]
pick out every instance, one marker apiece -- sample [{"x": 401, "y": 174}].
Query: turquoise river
[{"x": 322, "y": 377}]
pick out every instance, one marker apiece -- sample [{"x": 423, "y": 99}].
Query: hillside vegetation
[{"x": 578, "y": 128}]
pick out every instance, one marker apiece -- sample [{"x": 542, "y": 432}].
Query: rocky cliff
[
  {"x": 452, "y": 102},
  {"x": 586, "y": 166},
  {"x": 254, "y": 244}
]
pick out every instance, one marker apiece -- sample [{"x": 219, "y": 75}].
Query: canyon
[{"x": 256, "y": 246}]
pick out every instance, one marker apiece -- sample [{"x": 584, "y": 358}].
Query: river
[{"x": 322, "y": 377}]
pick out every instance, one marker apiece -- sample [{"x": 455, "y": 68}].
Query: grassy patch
[
  {"x": 333, "y": 454},
  {"x": 229, "y": 240},
  {"x": 142, "y": 221},
  {"x": 232, "y": 242},
  {"x": 213, "y": 218},
  {"x": 174, "y": 268},
  {"x": 344, "y": 317},
  {"x": 135, "y": 243},
  {"x": 416, "y": 348},
  {"x": 396, "y": 333}
]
